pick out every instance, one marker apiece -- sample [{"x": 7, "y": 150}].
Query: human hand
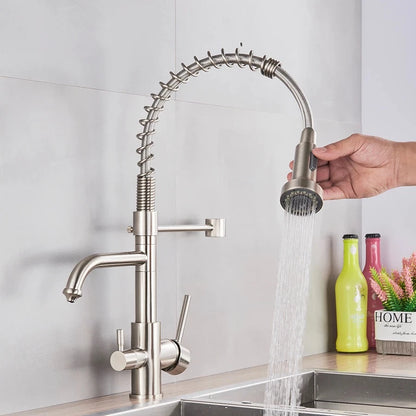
[{"x": 358, "y": 167}]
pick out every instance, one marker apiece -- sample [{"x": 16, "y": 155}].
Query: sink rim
[
  {"x": 175, "y": 406},
  {"x": 363, "y": 388}
]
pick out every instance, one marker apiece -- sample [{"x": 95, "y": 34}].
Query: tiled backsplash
[{"x": 73, "y": 80}]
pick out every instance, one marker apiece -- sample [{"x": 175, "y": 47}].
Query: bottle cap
[
  {"x": 350, "y": 236},
  {"x": 374, "y": 235}
]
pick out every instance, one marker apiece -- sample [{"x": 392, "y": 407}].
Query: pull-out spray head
[{"x": 302, "y": 195}]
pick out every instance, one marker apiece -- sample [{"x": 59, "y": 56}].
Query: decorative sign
[{"x": 395, "y": 326}]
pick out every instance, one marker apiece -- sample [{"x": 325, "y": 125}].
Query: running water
[{"x": 286, "y": 349}]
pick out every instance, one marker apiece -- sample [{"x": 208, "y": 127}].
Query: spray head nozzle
[{"x": 302, "y": 195}]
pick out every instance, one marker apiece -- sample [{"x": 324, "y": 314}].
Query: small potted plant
[{"x": 395, "y": 325}]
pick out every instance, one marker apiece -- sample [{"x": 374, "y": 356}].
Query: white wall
[
  {"x": 74, "y": 77},
  {"x": 389, "y": 108}
]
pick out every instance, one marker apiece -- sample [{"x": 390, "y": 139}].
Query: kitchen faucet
[{"x": 301, "y": 195}]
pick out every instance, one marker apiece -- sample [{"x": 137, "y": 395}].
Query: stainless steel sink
[{"x": 322, "y": 394}]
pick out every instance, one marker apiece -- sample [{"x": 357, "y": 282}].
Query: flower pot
[{"x": 395, "y": 332}]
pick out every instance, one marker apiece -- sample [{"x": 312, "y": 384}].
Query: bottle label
[
  {"x": 360, "y": 298},
  {"x": 395, "y": 326},
  {"x": 358, "y": 318}
]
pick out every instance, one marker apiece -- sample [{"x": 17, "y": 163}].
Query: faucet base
[
  {"x": 145, "y": 397},
  {"x": 146, "y": 382}
]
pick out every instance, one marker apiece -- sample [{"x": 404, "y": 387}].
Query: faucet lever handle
[
  {"x": 120, "y": 339},
  {"x": 182, "y": 318}
]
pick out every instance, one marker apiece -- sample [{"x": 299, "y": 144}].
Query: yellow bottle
[{"x": 351, "y": 301}]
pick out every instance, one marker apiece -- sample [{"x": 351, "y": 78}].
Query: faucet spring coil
[
  {"x": 268, "y": 67},
  {"x": 145, "y": 193},
  {"x": 182, "y": 77}
]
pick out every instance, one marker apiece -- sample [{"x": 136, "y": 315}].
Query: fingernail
[{"x": 320, "y": 149}]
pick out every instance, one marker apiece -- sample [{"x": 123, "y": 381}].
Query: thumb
[{"x": 339, "y": 149}]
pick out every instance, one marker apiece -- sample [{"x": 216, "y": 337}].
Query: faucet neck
[
  {"x": 268, "y": 67},
  {"x": 145, "y": 230}
]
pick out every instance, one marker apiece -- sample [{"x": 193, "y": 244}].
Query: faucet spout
[{"x": 73, "y": 289}]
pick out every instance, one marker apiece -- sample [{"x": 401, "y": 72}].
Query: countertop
[{"x": 369, "y": 362}]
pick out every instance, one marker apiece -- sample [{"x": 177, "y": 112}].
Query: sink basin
[{"x": 322, "y": 394}]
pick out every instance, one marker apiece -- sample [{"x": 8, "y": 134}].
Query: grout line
[
  {"x": 175, "y": 99},
  {"x": 177, "y": 268},
  {"x": 175, "y": 46},
  {"x": 292, "y": 116},
  {"x": 56, "y": 84},
  {"x": 175, "y": 39}
]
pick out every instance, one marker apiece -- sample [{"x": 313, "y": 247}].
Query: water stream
[{"x": 286, "y": 349}]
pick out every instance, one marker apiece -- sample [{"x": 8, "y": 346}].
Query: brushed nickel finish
[
  {"x": 214, "y": 227},
  {"x": 182, "y": 318},
  {"x": 268, "y": 67},
  {"x": 148, "y": 354},
  {"x": 128, "y": 360},
  {"x": 218, "y": 227},
  {"x": 303, "y": 190},
  {"x": 73, "y": 289},
  {"x": 302, "y": 194},
  {"x": 120, "y": 339},
  {"x": 323, "y": 393}
]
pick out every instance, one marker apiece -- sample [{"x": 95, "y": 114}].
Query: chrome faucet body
[{"x": 148, "y": 354}]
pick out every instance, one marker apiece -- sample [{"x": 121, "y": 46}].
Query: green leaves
[
  {"x": 411, "y": 304},
  {"x": 391, "y": 290},
  {"x": 393, "y": 303}
]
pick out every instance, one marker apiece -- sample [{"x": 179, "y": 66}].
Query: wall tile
[
  {"x": 317, "y": 41},
  {"x": 231, "y": 168},
  {"x": 123, "y": 45},
  {"x": 234, "y": 168},
  {"x": 388, "y": 111},
  {"x": 75, "y": 149},
  {"x": 388, "y": 33},
  {"x": 68, "y": 168}
]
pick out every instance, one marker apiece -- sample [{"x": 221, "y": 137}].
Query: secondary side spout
[{"x": 73, "y": 289}]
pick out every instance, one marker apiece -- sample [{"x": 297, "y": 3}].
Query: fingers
[
  {"x": 320, "y": 163},
  {"x": 323, "y": 179},
  {"x": 329, "y": 191},
  {"x": 339, "y": 149},
  {"x": 322, "y": 173},
  {"x": 332, "y": 193}
]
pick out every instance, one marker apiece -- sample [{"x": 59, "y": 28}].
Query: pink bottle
[{"x": 372, "y": 250}]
